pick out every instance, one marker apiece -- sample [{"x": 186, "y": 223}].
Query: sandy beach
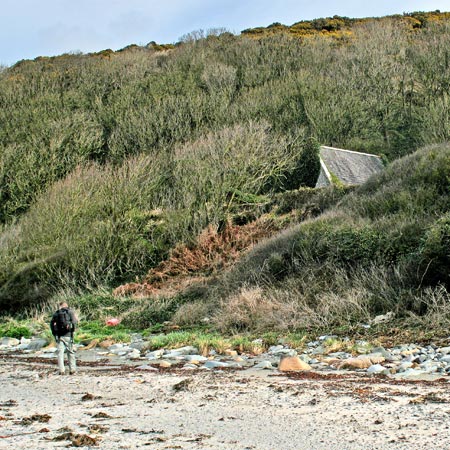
[{"x": 125, "y": 408}]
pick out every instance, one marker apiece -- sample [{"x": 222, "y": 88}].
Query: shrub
[
  {"x": 374, "y": 252},
  {"x": 13, "y": 329}
]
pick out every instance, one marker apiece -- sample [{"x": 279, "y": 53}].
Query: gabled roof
[{"x": 346, "y": 166}]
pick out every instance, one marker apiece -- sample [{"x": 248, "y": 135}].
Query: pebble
[
  {"x": 147, "y": 367},
  {"x": 403, "y": 361},
  {"x": 376, "y": 368},
  {"x": 157, "y": 354},
  {"x": 215, "y": 364},
  {"x": 263, "y": 365},
  {"x": 198, "y": 358}
]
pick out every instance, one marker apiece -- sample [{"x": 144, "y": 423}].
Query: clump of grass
[
  {"x": 91, "y": 330},
  {"x": 14, "y": 329},
  {"x": 171, "y": 340}
]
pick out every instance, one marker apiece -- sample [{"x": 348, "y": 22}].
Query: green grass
[{"x": 99, "y": 330}]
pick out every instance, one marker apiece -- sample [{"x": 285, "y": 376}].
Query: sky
[{"x": 31, "y": 28}]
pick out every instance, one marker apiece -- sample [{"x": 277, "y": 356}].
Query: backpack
[{"x": 63, "y": 322}]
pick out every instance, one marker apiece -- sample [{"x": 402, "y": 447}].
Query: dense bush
[
  {"x": 385, "y": 90},
  {"x": 384, "y": 247},
  {"x": 105, "y": 224}
]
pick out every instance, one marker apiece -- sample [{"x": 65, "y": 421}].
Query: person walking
[{"x": 63, "y": 325}]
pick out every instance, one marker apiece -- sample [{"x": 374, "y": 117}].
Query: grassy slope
[
  {"x": 109, "y": 161},
  {"x": 384, "y": 247}
]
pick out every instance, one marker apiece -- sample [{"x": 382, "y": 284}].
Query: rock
[
  {"x": 231, "y": 353},
  {"x": 318, "y": 350},
  {"x": 403, "y": 367},
  {"x": 305, "y": 358},
  {"x": 340, "y": 355},
  {"x": 189, "y": 367},
  {"x": 116, "y": 347},
  {"x": 376, "y": 368},
  {"x": 355, "y": 363},
  {"x": 445, "y": 359},
  {"x": 22, "y": 346},
  {"x": 410, "y": 373},
  {"x": 134, "y": 354},
  {"x": 136, "y": 337},
  {"x": 165, "y": 364},
  {"x": 382, "y": 318},
  {"x": 275, "y": 348},
  {"x": 195, "y": 358},
  {"x": 382, "y": 352},
  {"x": 215, "y": 364},
  {"x": 37, "y": 344},
  {"x": 182, "y": 351},
  {"x": 138, "y": 345},
  {"x": 292, "y": 364},
  {"x": 444, "y": 350},
  {"x": 146, "y": 367},
  {"x": 263, "y": 365},
  {"x": 157, "y": 354},
  {"x": 9, "y": 342},
  {"x": 420, "y": 359}
]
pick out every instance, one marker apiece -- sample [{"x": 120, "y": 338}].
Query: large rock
[
  {"x": 10, "y": 342},
  {"x": 376, "y": 368},
  {"x": 263, "y": 365},
  {"x": 292, "y": 364},
  {"x": 362, "y": 362},
  {"x": 157, "y": 354},
  {"x": 182, "y": 351},
  {"x": 215, "y": 365},
  {"x": 37, "y": 344},
  {"x": 195, "y": 359},
  {"x": 355, "y": 363}
]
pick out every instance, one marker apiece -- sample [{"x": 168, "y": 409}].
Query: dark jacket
[{"x": 54, "y": 323}]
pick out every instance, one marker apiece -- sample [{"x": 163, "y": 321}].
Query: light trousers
[{"x": 65, "y": 345}]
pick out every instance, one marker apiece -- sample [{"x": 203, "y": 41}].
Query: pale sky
[{"x": 31, "y": 28}]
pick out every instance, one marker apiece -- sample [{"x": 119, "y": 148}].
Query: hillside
[
  {"x": 383, "y": 247},
  {"x": 342, "y": 27},
  {"x": 160, "y": 168}
]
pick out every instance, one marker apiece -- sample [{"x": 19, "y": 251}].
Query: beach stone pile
[{"x": 409, "y": 361}]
